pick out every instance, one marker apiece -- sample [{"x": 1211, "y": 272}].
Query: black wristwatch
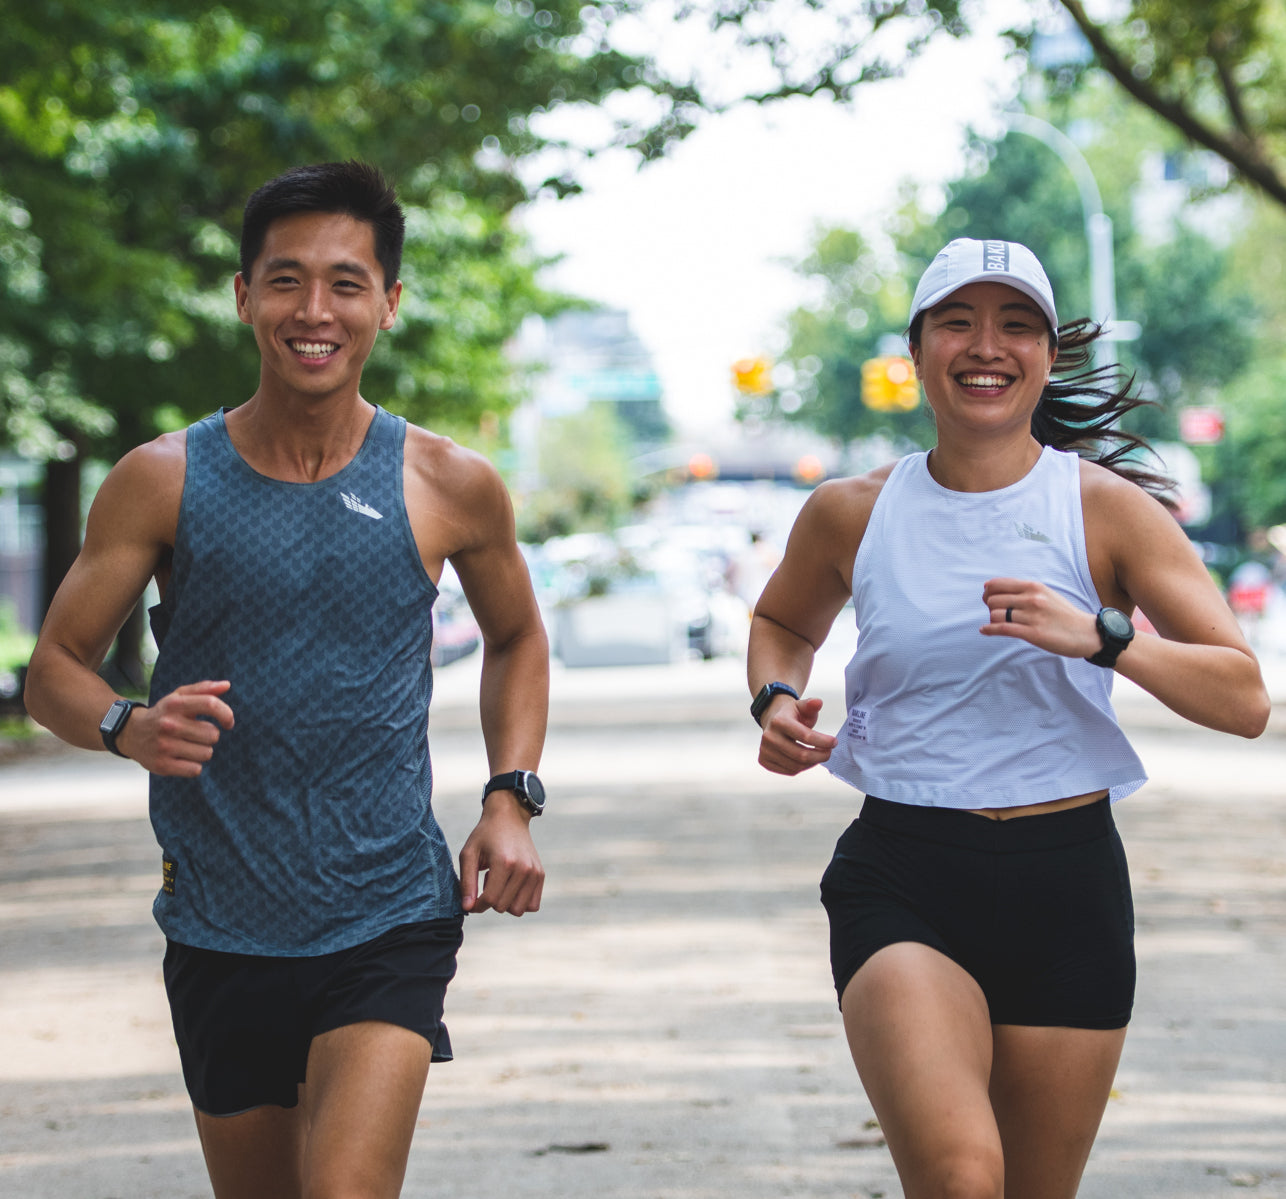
[
  {"x": 111, "y": 726},
  {"x": 766, "y": 693},
  {"x": 1116, "y": 631},
  {"x": 524, "y": 784}
]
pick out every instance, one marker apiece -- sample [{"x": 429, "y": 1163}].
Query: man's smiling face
[{"x": 316, "y": 300}]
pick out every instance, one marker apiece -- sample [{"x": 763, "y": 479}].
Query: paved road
[{"x": 665, "y": 1027}]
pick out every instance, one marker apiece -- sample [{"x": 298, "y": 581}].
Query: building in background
[{"x": 583, "y": 358}]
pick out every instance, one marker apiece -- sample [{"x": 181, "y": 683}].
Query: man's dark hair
[{"x": 355, "y": 189}]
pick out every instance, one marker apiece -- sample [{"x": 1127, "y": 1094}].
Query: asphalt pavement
[{"x": 665, "y": 1027}]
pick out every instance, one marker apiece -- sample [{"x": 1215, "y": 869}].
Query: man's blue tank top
[{"x": 311, "y": 829}]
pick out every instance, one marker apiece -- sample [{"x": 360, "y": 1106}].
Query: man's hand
[
  {"x": 501, "y": 848},
  {"x": 178, "y": 733},
  {"x": 791, "y": 743}
]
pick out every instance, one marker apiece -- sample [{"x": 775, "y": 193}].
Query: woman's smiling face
[{"x": 984, "y": 356}]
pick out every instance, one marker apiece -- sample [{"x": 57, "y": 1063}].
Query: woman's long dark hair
[{"x": 1081, "y": 405}]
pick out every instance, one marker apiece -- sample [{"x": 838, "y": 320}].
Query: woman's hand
[
  {"x": 1033, "y": 613},
  {"x": 791, "y": 743}
]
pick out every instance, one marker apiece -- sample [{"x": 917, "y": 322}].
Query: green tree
[
  {"x": 1198, "y": 318},
  {"x": 1251, "y": 461},
  {"x": 585, "y": 457},
  {"x": 859, "y": 303},
  {"x": 1213, "y": 70},
  {"x": 130, "y": 135}
]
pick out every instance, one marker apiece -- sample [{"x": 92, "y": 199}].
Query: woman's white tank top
[{"x": 940, "y": 715}]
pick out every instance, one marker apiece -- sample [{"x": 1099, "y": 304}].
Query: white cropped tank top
[{"x": 940, "y": 715}]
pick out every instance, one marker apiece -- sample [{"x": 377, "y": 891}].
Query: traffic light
[
  {"x": 702, "y": 467},
  {"x": 889, "y": 384},
  {"x": 809, "y": 470},
  {"x": 753, "y": 376}
]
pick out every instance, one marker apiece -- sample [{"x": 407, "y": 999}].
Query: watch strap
[
  {"x": 112, "y": 724},
  {"x": 765, "y": 696},
  {"x": 1107, "y": 656},
  {"x": 510, "y": 781},
  {"x": 524, "y": 784}
]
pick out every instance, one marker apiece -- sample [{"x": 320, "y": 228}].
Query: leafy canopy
[
  {"x": 131, "y": 133},
  {"x": 1199, "y": 319},
  {"x": 1214, "y": 70}
]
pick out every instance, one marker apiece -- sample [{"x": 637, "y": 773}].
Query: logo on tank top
[
  {"x": 353, "y": 504},
  {"x": 1024, "y": 530}
]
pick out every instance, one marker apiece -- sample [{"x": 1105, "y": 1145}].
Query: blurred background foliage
[
  {"x": 1204, "y": 284},
  {"x": 130, "y": 135}
]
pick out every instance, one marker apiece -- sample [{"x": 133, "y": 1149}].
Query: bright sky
[{"x": 697, "y": 247}]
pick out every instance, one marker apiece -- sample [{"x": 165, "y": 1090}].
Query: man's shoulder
[
  {"x": 441, "y": 460},
  {"x": 142, "y": 494},
  {"x": 159, "y": 461}
]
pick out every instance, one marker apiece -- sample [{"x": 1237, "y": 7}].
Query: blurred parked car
[
  {"x": 647, "y": 594},
  {"x": 634, "y": 621}
]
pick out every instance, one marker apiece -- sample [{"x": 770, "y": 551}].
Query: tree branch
[
  {"x": 1232, "y": 94},
  {"x": 1239, "y": 152}
]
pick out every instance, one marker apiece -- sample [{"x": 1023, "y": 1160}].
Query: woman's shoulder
[
  {"x": 862, "y": 490},
  {"x": 1123, "y": 520},
  {"x": 839, "y": 510},
  {"x": 1103, "y": 490}
]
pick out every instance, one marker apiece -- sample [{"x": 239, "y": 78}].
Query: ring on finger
[{"x": 1009, "y": 616}]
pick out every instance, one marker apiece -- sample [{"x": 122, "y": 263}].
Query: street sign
[{"x": 1201, "y": 426}]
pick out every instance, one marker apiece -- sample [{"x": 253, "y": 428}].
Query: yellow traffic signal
[
  {"x": 753, "y": 376},
  {"x": 890, "y": 385}
]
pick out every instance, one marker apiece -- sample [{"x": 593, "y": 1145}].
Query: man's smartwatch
[
  {"x": 766, "y": 693},
  {"x": 1116, "y": 631},
  {"x": 113, "y": 723},
  {"x": 524, "y": 784}
]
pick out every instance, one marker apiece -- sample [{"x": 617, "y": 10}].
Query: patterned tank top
[{"x": 311, "y": 829}]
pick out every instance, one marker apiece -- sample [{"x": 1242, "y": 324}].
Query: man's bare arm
[
  {"x": 473, "y": 519},
  {"x": 129, "y": 533}
]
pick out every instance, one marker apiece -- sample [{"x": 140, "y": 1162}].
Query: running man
[{"x": 309, "y": 901}]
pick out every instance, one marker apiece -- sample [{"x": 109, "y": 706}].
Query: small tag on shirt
[
  {"x": 168, "y": 872},
  {"x": 858, "y": 726}
]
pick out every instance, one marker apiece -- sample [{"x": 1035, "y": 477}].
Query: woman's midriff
[{"x": 1041, "y": 809}]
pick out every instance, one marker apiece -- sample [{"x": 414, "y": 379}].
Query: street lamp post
[{"x": 1098, "y": 234}]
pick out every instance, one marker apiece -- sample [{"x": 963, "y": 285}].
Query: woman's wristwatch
[
  {"x": 1116, "y": 631},
  {"x": 766, "y": 693}
]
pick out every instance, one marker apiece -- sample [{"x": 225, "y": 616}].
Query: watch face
[
  {"x": 115, "y": 718},
  {"x": 1116, "y": 624},
  {"x": 534, "y": 788}
]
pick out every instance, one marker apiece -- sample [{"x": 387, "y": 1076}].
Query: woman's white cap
[{"x": 966, "y": 261}]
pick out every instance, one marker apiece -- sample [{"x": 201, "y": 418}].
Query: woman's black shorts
[
  {"x": 244, "y": 1024},
  {"x": 1037, "y": 909}
]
